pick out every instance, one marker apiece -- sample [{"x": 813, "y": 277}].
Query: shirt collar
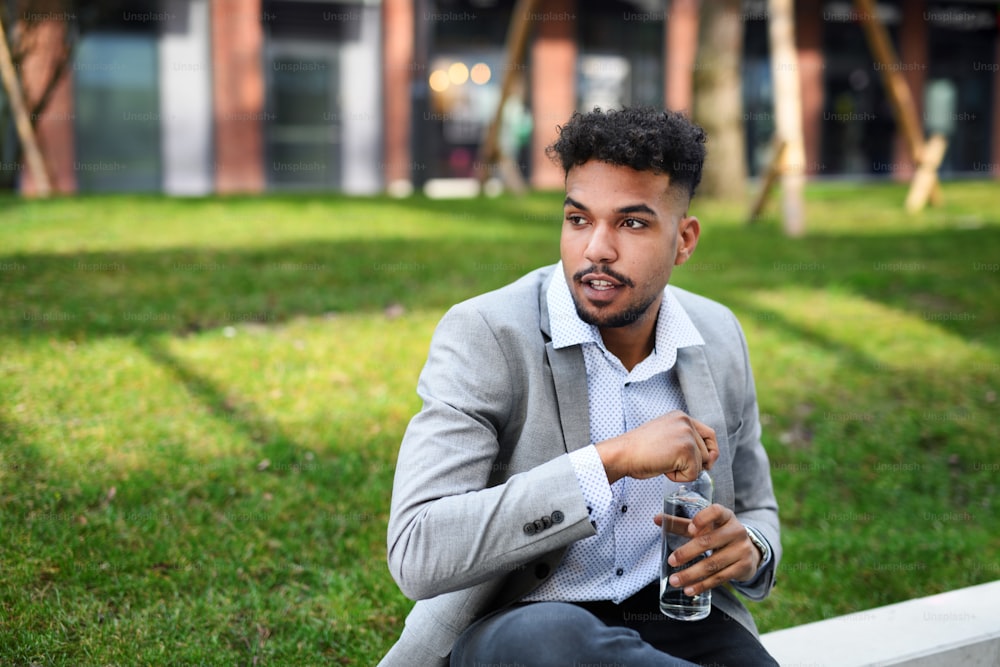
[{"x": 674, "y": 328}]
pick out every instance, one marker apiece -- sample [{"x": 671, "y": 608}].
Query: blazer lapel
[
  {"x": 569, "y": 377},
  {"x": 698, "y": 387},
  {"x": 703, "y": 404}
]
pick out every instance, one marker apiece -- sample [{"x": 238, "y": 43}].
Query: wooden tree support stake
[
  {"x": 773, "y": 171},
  {"x": 925, "y": 178},
  {"x": 489, "y": 152},
  {"x": 22, "y": 120},
  {"x": 899, "y": 93}
]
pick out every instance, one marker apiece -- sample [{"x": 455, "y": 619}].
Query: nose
[{"x": 601, "y": 247}]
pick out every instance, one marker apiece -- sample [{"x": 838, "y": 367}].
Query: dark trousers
[{"x": 632, "y": 634}]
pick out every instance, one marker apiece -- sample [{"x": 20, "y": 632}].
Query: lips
[
  {"x": 600, "y": 285},
  {"x": 600, "y": 281},
  {"x": 600, "y": 288}
]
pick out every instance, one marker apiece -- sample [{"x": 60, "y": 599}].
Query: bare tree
[{"x": 718, "y": 97}]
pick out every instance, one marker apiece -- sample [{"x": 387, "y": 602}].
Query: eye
[
  {"x": 634, "y": 223},
  {"x": 575, "y": 220}
]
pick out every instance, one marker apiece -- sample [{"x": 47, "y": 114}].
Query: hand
[
  {"x": 675, "y": 445},
  {"x": 734, "y": 557}
]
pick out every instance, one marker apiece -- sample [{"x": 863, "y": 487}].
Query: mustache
[{"x": 608, "y": 271}]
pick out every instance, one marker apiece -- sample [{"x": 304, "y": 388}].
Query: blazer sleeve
[
  {"x": 755, "y": 505},
  {"x": 448, "y": 528}
]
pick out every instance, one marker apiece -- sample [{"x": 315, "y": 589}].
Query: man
[{"x": 559, "y": 409}]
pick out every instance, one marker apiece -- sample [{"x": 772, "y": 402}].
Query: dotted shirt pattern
[{"x": 624, "y": 556}]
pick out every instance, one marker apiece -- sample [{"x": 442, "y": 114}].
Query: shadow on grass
[
  {"x": 188, "y": 290},
  {"x": 240, "y": 414},
  {"x": 947, "y": 276}
]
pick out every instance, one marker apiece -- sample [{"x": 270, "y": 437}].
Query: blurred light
[
  {"x": 480, "y": 73},
  {"x": 858, "y": 79},
  {"x": 458, "y": 73},
  {"x": 438, "y": 80}
]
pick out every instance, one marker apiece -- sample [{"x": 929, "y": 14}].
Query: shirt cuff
[{"x": 593, "y": 480}]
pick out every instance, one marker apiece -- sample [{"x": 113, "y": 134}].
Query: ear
[{"x": 688, "y": 231}]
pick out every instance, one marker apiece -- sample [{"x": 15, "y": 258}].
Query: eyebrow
[
  {"x": 632, "y": 208},
  {"x": 636, "y": 208}
]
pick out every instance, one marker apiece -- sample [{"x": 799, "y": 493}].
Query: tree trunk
[
  {"x": 718, "y": 98},
  {"x": 788, "y": 115}
]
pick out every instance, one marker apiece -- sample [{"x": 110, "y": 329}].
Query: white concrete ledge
[{"x": 960, "y": 627}]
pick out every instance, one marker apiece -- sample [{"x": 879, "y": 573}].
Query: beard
[{"x": 633, "y": 313}]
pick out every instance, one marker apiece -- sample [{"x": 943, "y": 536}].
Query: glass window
[
  {"x": 959, "y": 90},
  {"x": 462, "y": 44},
  {"x": 117, "y": 113},
  {"x": 858, "y": 125},
  {"x": 758, "y": 93},
  {"x": 322, "y": 86},
  {"x": 620, "y": 60},
  {"x": 9, "y": 166},
  {"x": 303, "y": 129}
]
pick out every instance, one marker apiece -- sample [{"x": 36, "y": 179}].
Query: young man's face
[{"x": 623, "y": 232}]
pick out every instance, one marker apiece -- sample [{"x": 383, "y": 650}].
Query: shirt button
[
  {"x": 619, "y": 572},
  {"x": 624, "y": 509}
]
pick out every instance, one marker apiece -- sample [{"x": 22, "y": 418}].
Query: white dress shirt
[{"x": 624, "y": 556}]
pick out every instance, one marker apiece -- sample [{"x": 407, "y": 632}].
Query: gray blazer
[{"x": 485, "y": 501}]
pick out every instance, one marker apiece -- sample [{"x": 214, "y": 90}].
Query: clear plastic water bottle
[{"x": 685, "y": 501}]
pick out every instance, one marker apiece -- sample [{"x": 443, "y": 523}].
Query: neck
[{"x": 631, "y": 344}]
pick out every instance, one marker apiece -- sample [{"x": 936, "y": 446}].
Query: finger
[
  {"x": 722, "y": 566},
  {"x": 712, "y": 529},
  {"x": 706, "y": 575},
  {"x": 689, "y": 473},
  {"x": 711, "y": 518},
  {"x": 695, "y": 547},
  {"x": 675, "y": 524},
  {"x": 707, "y": 443},
  {"x": 733, "y": 561}
]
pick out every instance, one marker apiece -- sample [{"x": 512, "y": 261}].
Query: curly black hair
[{"x": 643, "y": 138}]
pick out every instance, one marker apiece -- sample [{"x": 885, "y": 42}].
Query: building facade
[{"x": 192, "y": 97}]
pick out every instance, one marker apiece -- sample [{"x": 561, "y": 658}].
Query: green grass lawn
[{"x": 201, "y": 402}]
